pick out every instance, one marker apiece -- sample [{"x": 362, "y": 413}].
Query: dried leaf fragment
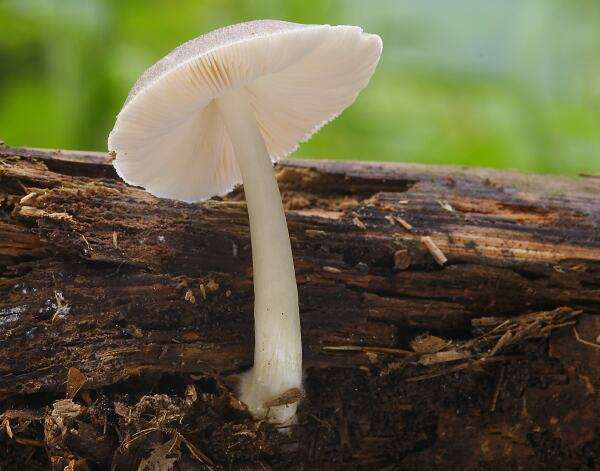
[
  {"x": 288, "y": 397},
  {"x": 75, "y": 381},
  {"x": 163, "y": 456}
]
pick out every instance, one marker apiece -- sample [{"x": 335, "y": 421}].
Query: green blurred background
[{"x": 500, "y": 83}]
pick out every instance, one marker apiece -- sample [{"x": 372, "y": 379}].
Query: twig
[
  {"x": 195, "y": 451},
  {"x": 498, "y": 387},
  {"x": 358, "y": 348},
  {"x": 463, "y": 366},
  {"x": 487, "y": 334},
  {"x": 87, "y": 243},
  {"x": 136, "y": 436},
  {"x": 585, "y": 342}
]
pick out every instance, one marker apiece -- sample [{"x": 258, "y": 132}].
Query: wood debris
[
  {"x": 191, "y": 395},
  {"x": 89, "y": 247},
  {"x": 358, "y": 223},
  {"x": 331, "y": 269},
  {"x": 403, "y": 223},
  {"x": 487, "y": 321},
  {"x": 428, "y": 344},
  {"x": 585, "y": 342},
  {"x": 314, "y": 233},
  {"x": 392, "y": 366},
  {"x": 6, "y": 427},
  {"x": 497, "y": 390},
  {"x": 402, "y": 259},
  {"x": 397, "y": 219},
  {"x": 445, "y": 205},
  {"x": 434, "y": 250},
  {"x": 62, "y": 308},
  {"x": 28, "y": 197},
  {"x": 516, "y": 330},
  {"x": 212, "y": 286},
  {"x": 442, "y": 357},
  {"x": 372, "y": 356},
  {"x": 189, "y": 297},
  {"x": 348, "y": 203},
  {"x": 65, "y": 408},
  {"x": 135, "y": 331},
  {"x": 502, "y": 342},
  {"x": 365, "y": 349},
  {"x": 486, "y": 348},
  {"x": 30, "y": 211}
]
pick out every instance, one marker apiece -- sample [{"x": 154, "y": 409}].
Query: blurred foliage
[{"x": 511, "y": 83}]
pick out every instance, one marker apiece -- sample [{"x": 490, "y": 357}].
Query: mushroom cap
[{"x": 170, "y": 138}]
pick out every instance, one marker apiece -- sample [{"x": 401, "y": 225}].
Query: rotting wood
[{"x": 134, "y": 292}]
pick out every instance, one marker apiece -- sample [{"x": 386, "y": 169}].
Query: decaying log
[{"x": 450, "y": 318}]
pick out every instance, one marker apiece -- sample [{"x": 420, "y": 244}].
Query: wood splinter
[{"x": 434, "y": 250}]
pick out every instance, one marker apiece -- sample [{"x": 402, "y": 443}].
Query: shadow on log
[{"x": 450, "y": 319}]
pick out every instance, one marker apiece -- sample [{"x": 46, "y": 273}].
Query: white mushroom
[{"x": 219, "y": 110}]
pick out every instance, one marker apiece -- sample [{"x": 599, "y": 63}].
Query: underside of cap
[{"x": 170, "y": 137}]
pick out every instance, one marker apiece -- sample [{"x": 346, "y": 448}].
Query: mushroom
[{"x": 219, "y": 110}]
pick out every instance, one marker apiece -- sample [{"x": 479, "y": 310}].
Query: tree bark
[{"x": 138, "y": 296}]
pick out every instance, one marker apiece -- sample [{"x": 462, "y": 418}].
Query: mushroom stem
[{"x": 278, "y": 347}]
